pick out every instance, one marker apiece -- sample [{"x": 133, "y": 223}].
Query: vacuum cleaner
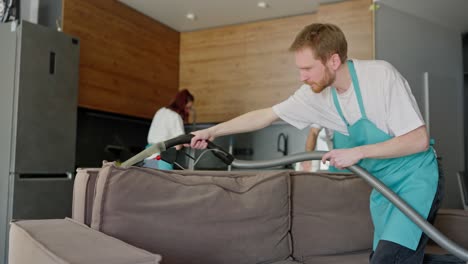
[{"x": 227, "y": 158}]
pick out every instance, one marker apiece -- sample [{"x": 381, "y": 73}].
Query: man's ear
[{"x": 335, "y": 61}]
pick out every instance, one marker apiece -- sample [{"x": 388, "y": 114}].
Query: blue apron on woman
[{"x": 414, "y": 177}]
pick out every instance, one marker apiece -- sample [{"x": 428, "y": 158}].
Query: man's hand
[
  {"x": 342, "y": 158},
  {"x": 200, "y": 138},
  {"x": 250, "y": 121}
]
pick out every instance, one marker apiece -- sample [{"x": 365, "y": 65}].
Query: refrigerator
[{"x": 38, "y": 112}]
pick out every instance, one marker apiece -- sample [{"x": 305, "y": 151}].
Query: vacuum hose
[
  {"x": 425, "y": 226},
  {"x": 227, "y": 158}
]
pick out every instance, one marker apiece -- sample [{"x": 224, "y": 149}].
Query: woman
[{"x": 168, "y": 122}]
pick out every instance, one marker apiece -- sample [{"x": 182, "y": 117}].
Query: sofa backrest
[
  {"x": 196, "y": 216},
  {"x": 83, "y": 194},
  {"x": 330, "y": 215}
]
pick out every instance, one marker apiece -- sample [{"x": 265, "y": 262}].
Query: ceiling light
[
  {"x": 262, "y": 4},
  {"x": 191, "y": 16}
]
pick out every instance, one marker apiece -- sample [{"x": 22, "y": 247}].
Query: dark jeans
[{"x": 390, "y": 252}]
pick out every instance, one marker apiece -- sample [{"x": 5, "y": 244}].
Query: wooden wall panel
[
  {"x": 129, "y": 63},
  {"x": 235, "y": 69}
]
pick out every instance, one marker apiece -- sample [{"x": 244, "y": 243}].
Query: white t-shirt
[
  {"x": 386, "y": 95},
  {"x": 166, "y": 124},
  {"x": 324, "y": 138}
]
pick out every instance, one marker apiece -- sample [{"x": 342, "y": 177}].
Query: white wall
[{"x": 415, "y": 46}]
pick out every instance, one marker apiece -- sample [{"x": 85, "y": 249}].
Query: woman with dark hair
[
  {"x": 168, "y": 122},
  {"x": 182, "y": 104}
]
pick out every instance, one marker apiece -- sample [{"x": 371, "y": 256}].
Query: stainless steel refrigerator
[{"x": 38, "y": 113}]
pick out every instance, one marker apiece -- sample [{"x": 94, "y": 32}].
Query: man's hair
[{"x": 323, "y": 39}]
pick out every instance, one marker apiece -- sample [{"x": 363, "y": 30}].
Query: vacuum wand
[
  {"x": 183, "y": 139},
  {"x": 156, "y": 148}
]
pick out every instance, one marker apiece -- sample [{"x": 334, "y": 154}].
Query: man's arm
[
  {"x": 250, "y": 121},
  {"x": 311, "y": 144},
  {"x": 311, "y": 141},
  {"x": 412, "y": 142}
]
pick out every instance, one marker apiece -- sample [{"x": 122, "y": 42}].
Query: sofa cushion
[
  {"x": 453, "y": 223},
  {"x": 359, "y": 257},
  {"x": 287, "y": 262},
  {"x": 64, "y": 241},
  {"x": 330, "y": 214},
  {"x": 196, "y": 216}
]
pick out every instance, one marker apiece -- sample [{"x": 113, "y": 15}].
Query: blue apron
[
  {"x": 414, "y": 177},
  {"x": 341, "y": 141}
]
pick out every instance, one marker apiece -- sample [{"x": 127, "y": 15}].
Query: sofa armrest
[
  {"x": 65, "y": 241},
  {"x": 83, "y": 194},
  {"x": 454, "y": 224}
]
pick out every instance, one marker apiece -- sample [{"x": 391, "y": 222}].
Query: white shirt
[
  {"x": 166, "y": 124},
  {"x": 324, "y": 138},
  {"x": 386, "y": 95}
]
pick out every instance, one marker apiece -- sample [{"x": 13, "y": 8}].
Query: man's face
[{"x": 312, "y": 71}]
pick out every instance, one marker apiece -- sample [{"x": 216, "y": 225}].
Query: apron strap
[
  {"x": 357, "y": 88},
  {"x": 337, "y": 106}
]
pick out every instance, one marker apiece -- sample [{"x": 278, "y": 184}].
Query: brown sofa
[{"x": 211, "y": 217}]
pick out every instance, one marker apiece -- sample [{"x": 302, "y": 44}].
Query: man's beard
[{"x": 327, "y": 80}]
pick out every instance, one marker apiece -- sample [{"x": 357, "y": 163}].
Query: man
[
  {"x": 319, "y": 138},
  {"x": 377, "y": 125}
]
